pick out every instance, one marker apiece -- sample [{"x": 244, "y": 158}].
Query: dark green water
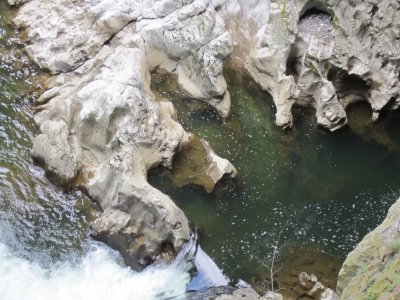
[
  {"x": 36, "y": 219},
  {"x": 321, "y": 190}
]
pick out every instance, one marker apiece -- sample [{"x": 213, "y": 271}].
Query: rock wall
[
  {"x": 101, "y": 126},
  {"x": 324, "y": 54},
  {"x": 372, "y": 269}
]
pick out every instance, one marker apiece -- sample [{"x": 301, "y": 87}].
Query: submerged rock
[
  {"x": 198, "y": 164},
  {"x": 371, "y": 270},
  {"x": 101, "y": 126},
  {"x": 311, "y": 287}
]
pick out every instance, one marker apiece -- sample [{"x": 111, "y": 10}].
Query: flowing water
[
  {"x": 308, "y": 193},
  {"x": 303, "y": 191},
  {"x": 45, "y": 249}
]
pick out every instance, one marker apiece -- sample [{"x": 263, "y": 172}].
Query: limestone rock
[
  {"x": 371, "y": 270},
  {"x": 329, "y": 294},
  {"x": 230, "y": 293},
  {"x": 63, "y": 33},
  {"x": 272, "y": 296},
  {"x": 17, "y": 2},
  {"x": 194, "y": 43},
  {"x": 102, "y": 121},
  {"x": 101, "y": 126},
  {"x": 186, "y": 37},
  {"x": 311, "y": 287},
  {"x": 243, "y": 18},
  {"x": 315, "y": 53},
  {"x": 198, "y": 164},
  {"x": 307, "y": 281}
]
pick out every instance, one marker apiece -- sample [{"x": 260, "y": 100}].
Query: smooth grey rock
[
  {"x": 101, "y": 127},
  {"x": 329, "y": 294},
  {"x": 219, "y": 167},
  {"x": 102, "y": 120},
  {"x": 230, "y": 293}
]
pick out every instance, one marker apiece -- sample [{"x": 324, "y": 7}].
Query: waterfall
[{"x": 98, "y": 275}]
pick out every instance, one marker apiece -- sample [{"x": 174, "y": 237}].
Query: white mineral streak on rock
[{"x": 100, "y": 123}]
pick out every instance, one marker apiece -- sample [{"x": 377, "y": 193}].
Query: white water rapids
[{"x": 98, "y": 275}]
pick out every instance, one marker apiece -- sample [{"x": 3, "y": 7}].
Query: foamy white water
[{"x": 98, "y": 275}]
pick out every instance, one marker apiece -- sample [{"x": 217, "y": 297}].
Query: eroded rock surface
[
  {"x": 326, "y": 54},
  {"x": 312, "y": 288},
  {"x": 371, "y": 270},
  {"x": 101, "y": 126},
  {"x": 17, "y": 2},
  {"x": 198, "y": 164},
  {"x": 186, "y": 37},
  {"x": 231, "y": 293}
]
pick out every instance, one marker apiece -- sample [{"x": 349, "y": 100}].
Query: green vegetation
[
  {"x": 394, "y": 246},
  {"x": 284, "y": 12}
]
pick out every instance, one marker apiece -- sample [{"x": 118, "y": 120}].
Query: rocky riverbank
[{"x": 102, "y": 128}]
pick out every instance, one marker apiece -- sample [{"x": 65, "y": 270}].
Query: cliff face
[{"x": 372, "y": 269}]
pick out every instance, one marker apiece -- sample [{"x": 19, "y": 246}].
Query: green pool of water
[
  {"x": 301, "y": 189},
  {"x": 311, "y": 187}
]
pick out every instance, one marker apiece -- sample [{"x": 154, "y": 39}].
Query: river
[{"x": 308, "y": 193}]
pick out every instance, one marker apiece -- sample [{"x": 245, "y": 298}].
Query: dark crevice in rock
[
  {"x": 313, "y": 11},
  {"x": 293, "y": 63},
  {"x": 374, "y": 10},
  {"x": 314, "y": 7},
  {"x": 349, "y": 87}
]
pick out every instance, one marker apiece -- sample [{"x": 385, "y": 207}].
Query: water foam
[{"x": 98, "y": 275}]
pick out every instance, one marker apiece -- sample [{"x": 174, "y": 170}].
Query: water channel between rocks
[{"x": 311, "y": 193}]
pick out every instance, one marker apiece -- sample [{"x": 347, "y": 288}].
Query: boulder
[
  {"x": 198, "y": 164},
  {"x": 371, "y": 270},
  {"x": 231, "y": 293},
  {"x": 310, "y": 287},
  {"x": 101, "y": 126}
]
